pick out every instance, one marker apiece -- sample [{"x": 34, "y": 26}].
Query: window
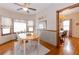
[
  {"x": 6, "y": 25},
  {"x": 42, "y": 25},
  {"x": 30, "y": 23},
  {"x": 66, "y": 25},
  {"x": 19, "y": 26},
  {"x": 23, "y": 26},
  {"x": 6, "y": 30},
  {"x": 30, "y": 29},
  {"x": 30, "y": 26}
]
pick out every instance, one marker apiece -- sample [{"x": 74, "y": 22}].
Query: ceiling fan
[{"x": 26, "y": 7}]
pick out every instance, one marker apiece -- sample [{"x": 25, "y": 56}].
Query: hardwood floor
[
  {"x": 6, "y": 46},
  {"x": 70, "y": 47}
]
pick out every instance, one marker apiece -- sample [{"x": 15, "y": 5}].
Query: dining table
[{"x": 28, "y": 38}]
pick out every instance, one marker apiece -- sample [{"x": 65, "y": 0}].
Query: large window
[
  {"x": 30, "y": 26},
  {"x": 5, "y": 30},
  {"x": 42, "y": 25},
  {"x": 19, "y": 26},
  {"x": 66, "y": 25},
  {"x": 6, "y": 25}
]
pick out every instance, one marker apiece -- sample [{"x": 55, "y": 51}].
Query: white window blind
[
  {"x": 6, "y": 25},
  {"x": 19, "y": 26},
  {"x": 30, "y": 25}
]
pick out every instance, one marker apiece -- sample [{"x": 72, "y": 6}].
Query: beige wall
[{"x": 75, "y": 20}]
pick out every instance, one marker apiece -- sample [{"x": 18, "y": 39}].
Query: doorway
[
  {"x": 66, "y": 26},
  {"x": 58, "y": 21}
]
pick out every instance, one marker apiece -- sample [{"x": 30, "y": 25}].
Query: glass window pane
[
  {"x": 6, "y": 24},
  {"x": 30, "y": 28},
  {"x": 30, "y": 23},
  {"x": 41, "y": 26},
  {"x": 6, "y": 30},
  {"x": 66, "y": 25},
  {"x": 19, "y": 27},
  {"x": 6, "y": 21}
]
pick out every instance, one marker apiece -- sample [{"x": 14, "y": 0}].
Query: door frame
[{"x": 57, "y": 20}]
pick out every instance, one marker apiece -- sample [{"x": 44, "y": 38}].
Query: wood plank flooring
[
  {"x": 70, "y": 47},
  {"x": 6, "y": 46}
]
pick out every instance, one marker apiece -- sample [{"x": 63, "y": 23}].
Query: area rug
[{"x": 41, "y": 50}]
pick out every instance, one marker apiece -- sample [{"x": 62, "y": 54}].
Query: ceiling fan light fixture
[{"x": 25, "y": 9}]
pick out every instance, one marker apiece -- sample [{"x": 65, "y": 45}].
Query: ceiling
[
  {"x": 39, "y": 6},
  {"x": 14, "y": 7},
  {"x": 70, "y": 11}
]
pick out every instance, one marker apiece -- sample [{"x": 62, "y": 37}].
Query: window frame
[
  {"x": 30, "y": 26},
  {"x": 13, "y": 27},
  {"x": 44, "y": 21},
  {"x": 3, "y": 27},
  {"x": 6, "y": 33}
]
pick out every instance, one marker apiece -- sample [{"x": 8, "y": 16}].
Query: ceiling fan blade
[
  {"x": 19, "y": 9},
  {"x": 18, "y": 4},
  {"x": 32, "y": 9}
]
